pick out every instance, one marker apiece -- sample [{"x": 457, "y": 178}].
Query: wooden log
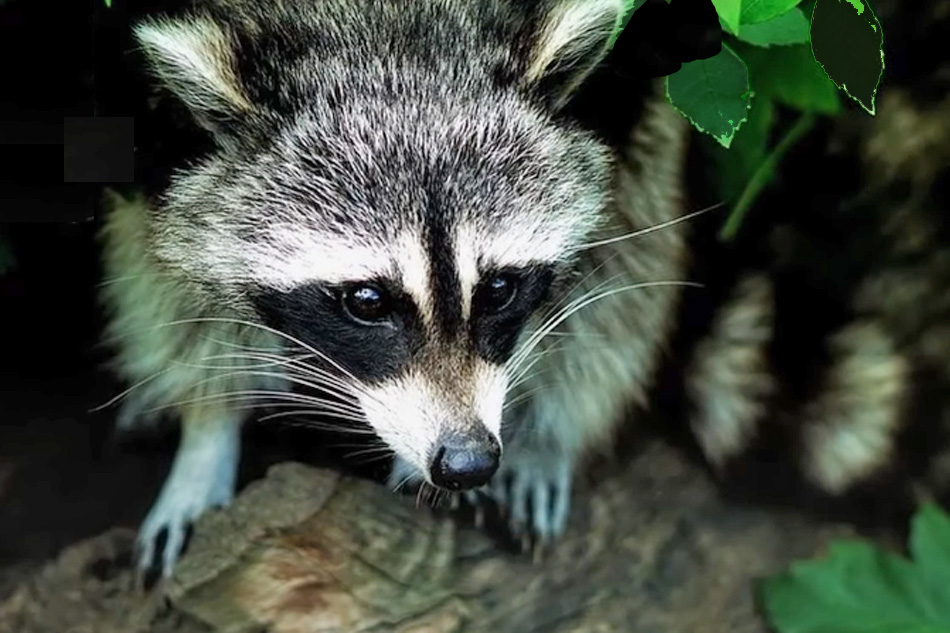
[{"x": 650, "y": 548}]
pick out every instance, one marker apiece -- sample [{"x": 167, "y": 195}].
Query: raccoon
[
  {"x": 400, "y": 202},
  {"x": 434, "y": 224},
  {"x": 816, "y": 369}
]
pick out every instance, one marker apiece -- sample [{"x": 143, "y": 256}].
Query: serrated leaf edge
[
  {"x": 747, "y": 97},
  {"x": 843, "y": 87}
]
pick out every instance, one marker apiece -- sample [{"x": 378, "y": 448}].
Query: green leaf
[
  {"x": 755, "y": 11},
  {"x": 712, "y": 93},
  {"x": 729, "y": 13},
  {"x": 848, "y": 42},
  {"x": 791, "y": 76},
  {"x": 860, "y": 588},
  {"x": 726, "y": 27},
  {"x": 930, "y": 547},
  {"x": 789, "y": 28},
  {"x": 857, "y": 589}
]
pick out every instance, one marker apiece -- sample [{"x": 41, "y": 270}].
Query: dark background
[{"x": 63, "y": 475}]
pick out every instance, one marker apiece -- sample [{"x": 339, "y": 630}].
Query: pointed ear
[
  {"x": 573, "y": 38},
  {"x": 195, "y": 58}
]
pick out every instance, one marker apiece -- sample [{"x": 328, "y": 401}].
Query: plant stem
[{"x": 763, "y": 174}]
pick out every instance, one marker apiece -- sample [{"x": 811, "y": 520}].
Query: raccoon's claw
[
  {"x": 532, "y": 488},
  {"x": 535, "y": 492},
  {"x": 538, "y": 500},
  {"x": 172, "y": 516},
  {"x": 202, "y": 477},
  {"x": 149, "y": 542}
]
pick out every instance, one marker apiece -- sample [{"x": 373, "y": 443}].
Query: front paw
[
  {"x": 179, "y": 505},
  {"x": 533, "y": 487}
]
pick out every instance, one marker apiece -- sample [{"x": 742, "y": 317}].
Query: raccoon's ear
[
  {"x": 195, "y": 58},
  {"x": 572, "y": 39}
]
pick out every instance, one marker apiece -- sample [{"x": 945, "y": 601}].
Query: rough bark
[{"x": 651, "y": 548}]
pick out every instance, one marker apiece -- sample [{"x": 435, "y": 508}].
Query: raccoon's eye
[
  {"x": 499, "y": 292},
  {"x": 367, "y": 303}
]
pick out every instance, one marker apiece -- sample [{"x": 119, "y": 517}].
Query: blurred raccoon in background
[
  {"x": 435, "y": 226},
  {"x": 819, "y": 363}
]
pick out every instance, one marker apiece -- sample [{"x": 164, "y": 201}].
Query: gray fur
[
  {"x": 605, "y": 356},
  {"x": 338, "y": 125},
  {"x": 344, "y": 132},
  {"x": 730, "y": 380}
]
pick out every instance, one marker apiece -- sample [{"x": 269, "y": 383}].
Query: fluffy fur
[
  {"x": 822, "y": 375},
  {"x": 434, "y": 148},
  {"x": 423, "y": 148}
]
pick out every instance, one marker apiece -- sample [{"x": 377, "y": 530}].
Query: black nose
[{"x": 465, "y": 460}]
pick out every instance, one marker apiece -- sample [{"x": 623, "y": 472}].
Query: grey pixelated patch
[{"x": 98, "y": 149}]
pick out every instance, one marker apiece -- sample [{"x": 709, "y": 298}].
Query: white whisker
[
  {"x": 652, "y": 229},
  {"x": 579, "y": 305}
]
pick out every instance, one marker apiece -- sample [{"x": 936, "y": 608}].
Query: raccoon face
[{"x": 400, "y": 204}]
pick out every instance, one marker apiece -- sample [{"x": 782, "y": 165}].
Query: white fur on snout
[
  {"x": 405, "y": 414},
  {"x": 411, "y": 414},
  {"x": 491, "y": 384}
]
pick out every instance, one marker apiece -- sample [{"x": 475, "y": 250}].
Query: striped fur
[{"x": 430, "y": 149}]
